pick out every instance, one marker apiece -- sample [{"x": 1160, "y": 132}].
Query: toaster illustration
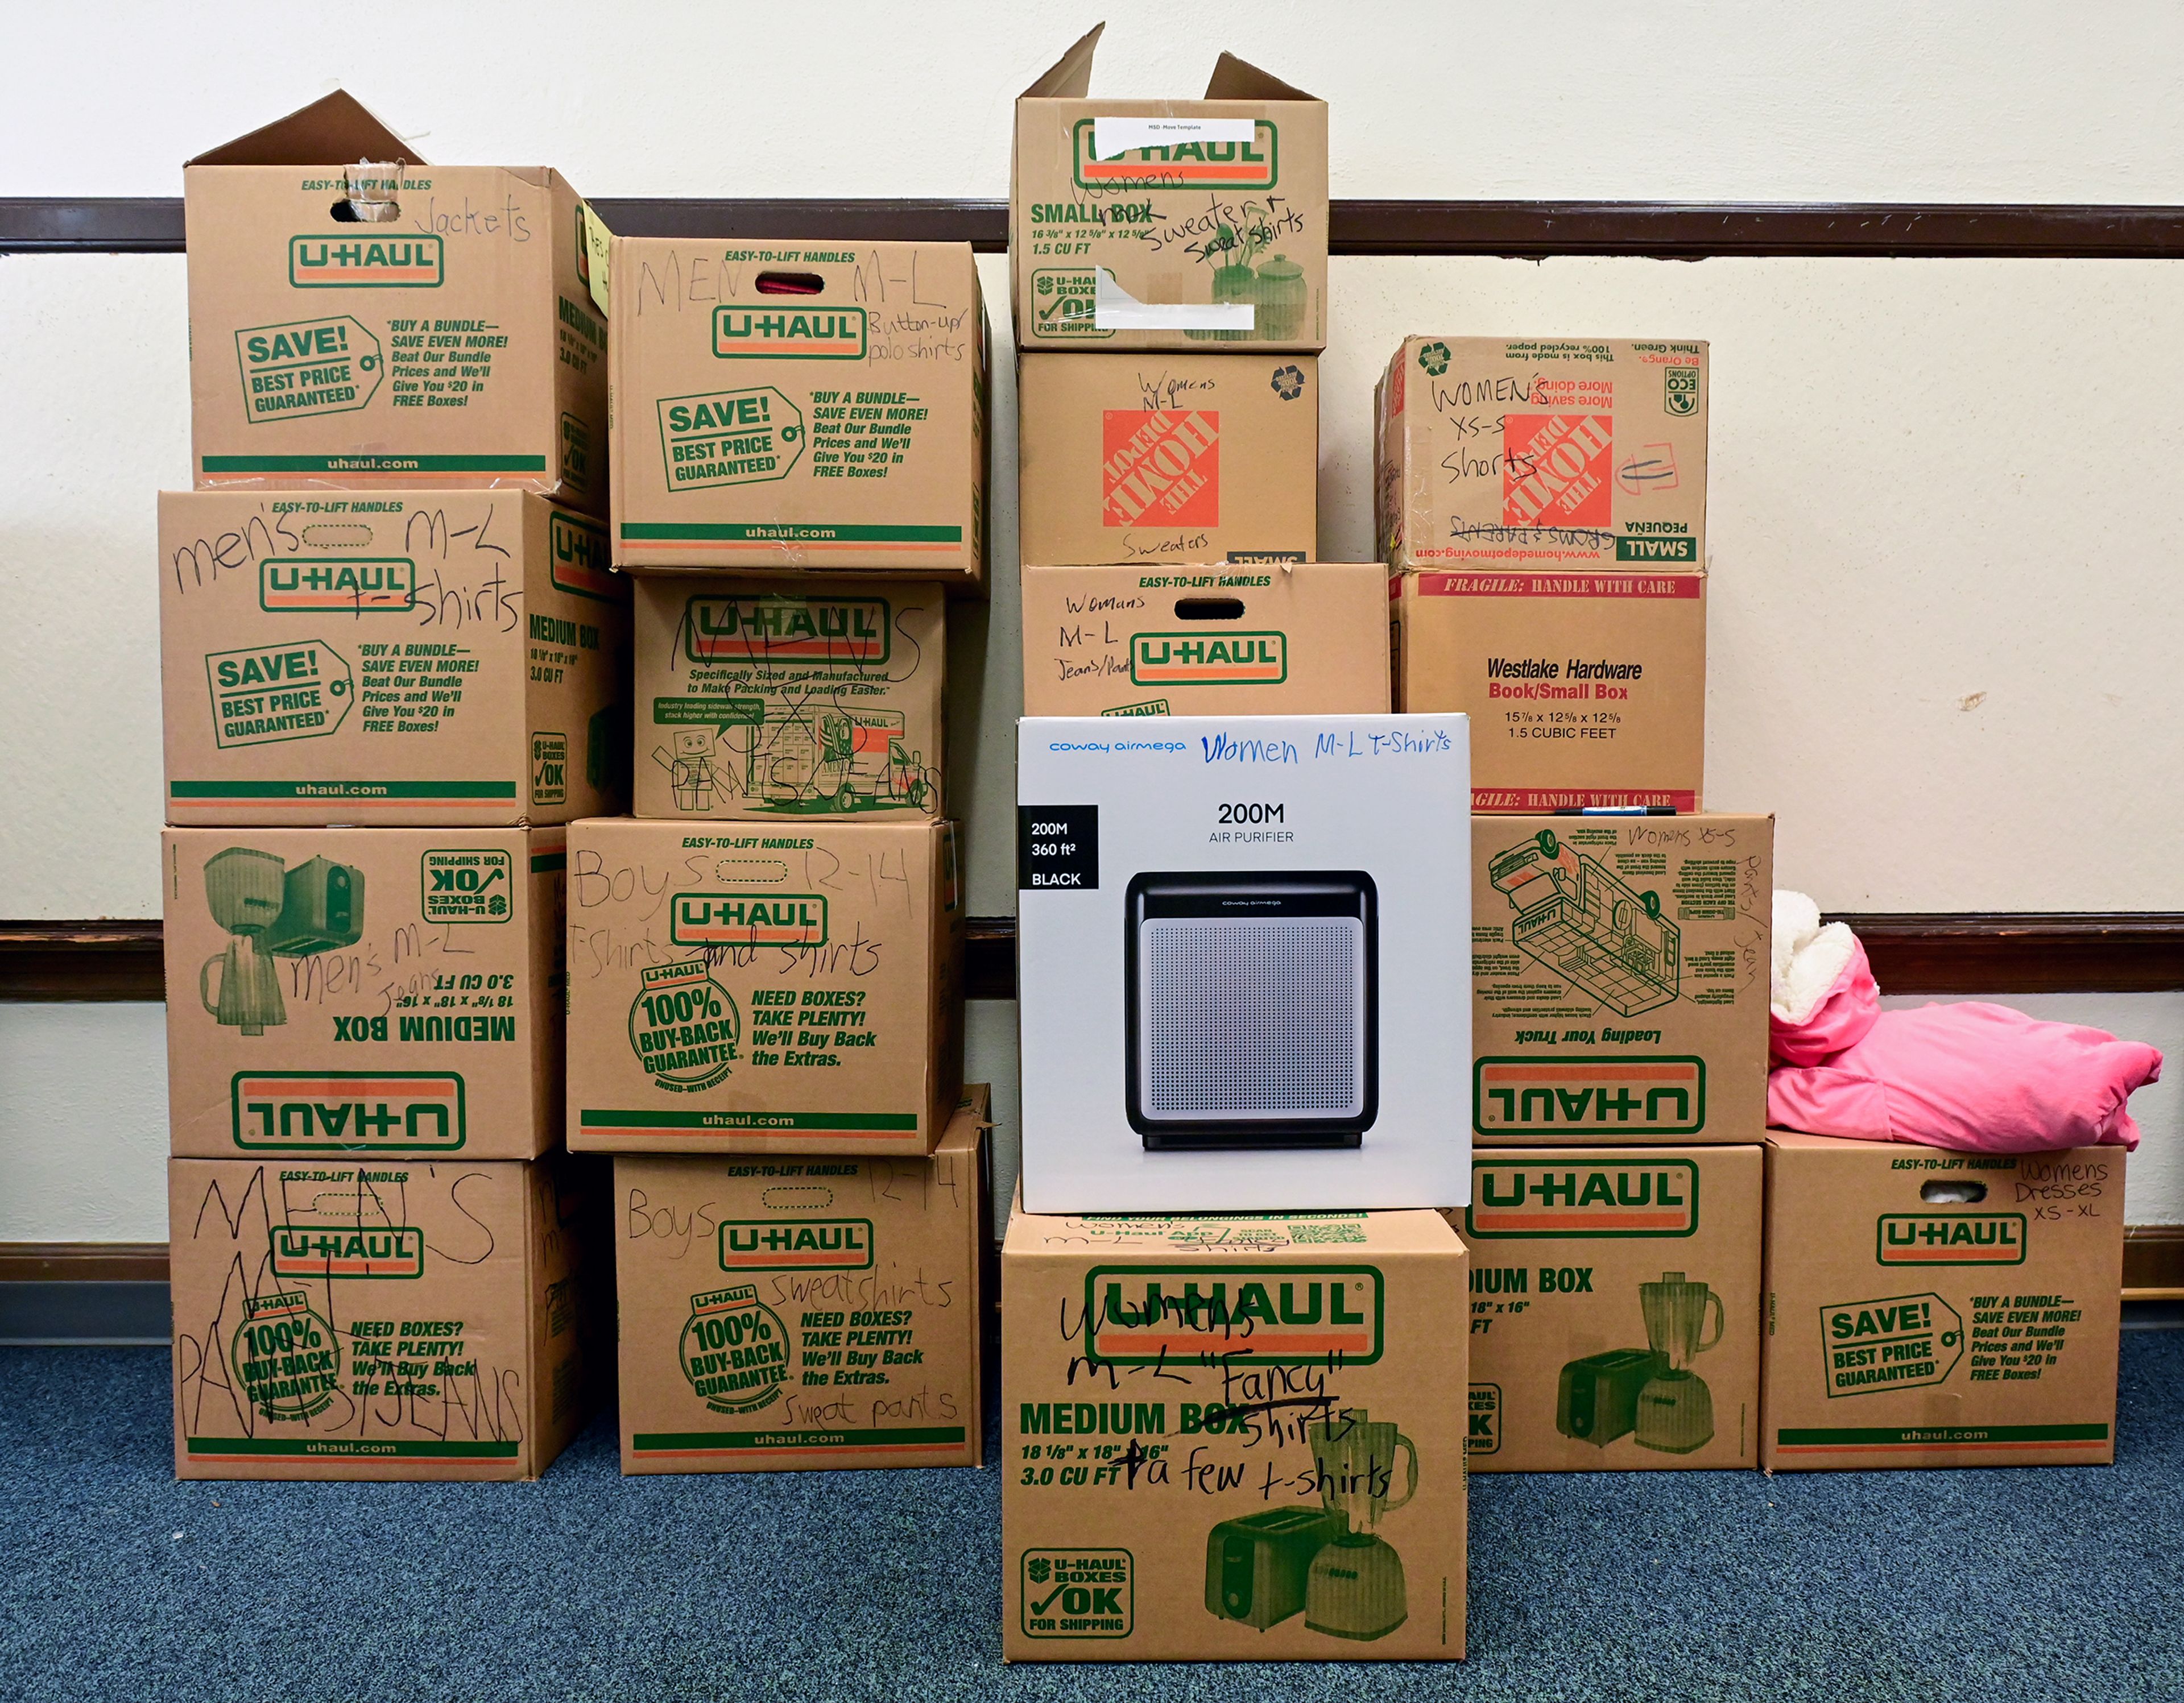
[
  {"x": 1579, "y": 921},
  {"x": 1258, "y": 1567},
  {"x": 1597, "y": 1398}
]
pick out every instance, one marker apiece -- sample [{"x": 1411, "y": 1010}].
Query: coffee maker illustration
[
  {"x": 268, "y": 912},
  {"x": 1650, "y": 1392},
  {"x": 1575, "y": 916}
]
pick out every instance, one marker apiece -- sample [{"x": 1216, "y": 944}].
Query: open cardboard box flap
[
  {"x": 334, "y": 130},
  {"x": 1070, "y": 77}
]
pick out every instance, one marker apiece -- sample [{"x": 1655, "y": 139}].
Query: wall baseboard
[{"x": 2154, "y": 1262}]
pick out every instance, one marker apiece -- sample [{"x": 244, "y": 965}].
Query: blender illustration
[
  {"x": 1675, "y": 1409},
  {"x": 271, "y": 912},
  {"x": 1355, "y": 1586},
  {"x": 1575, "y": 916}
]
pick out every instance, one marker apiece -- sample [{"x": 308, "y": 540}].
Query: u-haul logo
[
  {"x": 1253, "y": 164},
  {"x": 1160, "y": 467},
  {"x": 1516, "y": 1200},
  {"x": 748, "y": 918},
  {"x": 1950, "y": 1238},
  {"x": 1231, "y": 659},
  {"x": 1589, "y": 1096},
  {"x": 1232, "y": 1315},
  {"x": 362, "y": 585},
  {"x": 303, "y": 1250},
  {"x": 793, "y": 334},
  {"x": 347, "y": 1111},
  {"x": 812, "y": 1244},
  {"x": 1556, "y": 469},
  {"x": 577, "y": 559},
  {"x": 366, "y": 263},
  {"x": 853, "y": 632}
]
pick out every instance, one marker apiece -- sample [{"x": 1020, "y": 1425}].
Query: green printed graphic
[
  {"x": 1899, "y": 1342},
  {"x": 301, "y": 689},
  {"x": 1062, "y": 300},
  {"x": 734, "y": 1349},
  {"x": 907, "y": 1436},
  {"x": 549, "y": 768},
  {"x": 285, "y": 1356},
  {"x": 729, "y": 437},
  {"x": 1681, "y": 389},
  {"x": 1932, "y": 1436},
  {"x": 1078, "y": 1593},
  {"x": 1151, "y": 706},
  {"x": 647, "y": 1122},
  {"x": 683, "y": 1026},
  {"x": 346, "y": 1449},
  {"x": 467, "y": 885},
  {"x": 352, "y": 585},
  {"x": 365, "y": 465},
  {"x": 306, "y": 368},
  {"x": 807, "y": 1244},
  {"x": 361, "y": 260}
]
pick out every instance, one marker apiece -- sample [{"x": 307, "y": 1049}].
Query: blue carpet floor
[{"x": 2007, "y": 1585}]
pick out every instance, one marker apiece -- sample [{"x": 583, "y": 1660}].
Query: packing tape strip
[
  {"x": 1114, "y": 309},
  {"x": 1112, "y": 137}
]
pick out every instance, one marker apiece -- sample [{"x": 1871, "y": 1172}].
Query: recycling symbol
[
  {"x": 1434, "y": 357},
  {"x": 1288, "y": 382},
  {"x": 1039, "y": 1568}
]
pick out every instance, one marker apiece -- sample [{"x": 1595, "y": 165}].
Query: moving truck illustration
[
  {"x": 801, "y": 757},
  {"x": 1587, "y": 926}
]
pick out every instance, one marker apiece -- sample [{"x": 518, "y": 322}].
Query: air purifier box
[
  {"x": 1294, "y": 638},
  {"x": 364, "y": 992},
  {"x": 794, "y": 1314},
  {"x": 1242, "y": 960},
  {"x": 788, "y": 407},
  {"x": 391, "y": 324},
  {"x": 1936, "y": 1309},
  {"x": 788, "y": 698},
  {"x": 1167, "y": 460},
  {"x": 411, "y": 658},
  {"x": 397, "y": 1319},
  {"x": 1234, "y": 1438},
  {"x": 1614, "y": 1308},
  {"x": 1168, "y": 224},
  {"x": 763, "y": 987},
  {"x": 1620, "y": 979},
  {"x": 1554, "y": 454}
]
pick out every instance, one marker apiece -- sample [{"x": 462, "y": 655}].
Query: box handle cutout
[
  {"x": 1209, "y": 608},
  {"x": 790, "y": 284},
  {"x": 1952, "y": 1193}
]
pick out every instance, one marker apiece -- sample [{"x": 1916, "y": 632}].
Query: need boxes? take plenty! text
[
  {"x": 415, "y": 657},
  {"x": 788, "y": 699},
  {"x": 1620, "y": 978},
  {"x": 763, "y": 987},
  {"x": 363, "y": 991},
  {"x": 389, "y": 324},
  {"x": 786, "y": 407},
  {"x": 790, "y": 1314}
]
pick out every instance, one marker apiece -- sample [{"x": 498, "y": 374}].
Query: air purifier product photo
[{"x": 1244, "y": 962}]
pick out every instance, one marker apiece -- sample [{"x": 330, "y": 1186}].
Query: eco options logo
[
  {"x": 855, "y": 631},
  {"x": 1516, "y": 1200},
  {"x": 1231, "y": 659},
  {"x": 801, "y": 334},
  {"x": 366, "y": 263},
  {"x": 1234, "y": 1314}
]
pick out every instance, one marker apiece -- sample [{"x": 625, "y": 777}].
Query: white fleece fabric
[{"x": 1808, "y": 958}]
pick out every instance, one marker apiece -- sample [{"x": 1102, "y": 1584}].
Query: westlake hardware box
[
  {"x": 408, "y": 1319},
  {"x": 1620, "y": 979},
  {"x": 363, "y": 991},
  {"x": 1932, "y": 1308},
  {"x": 1547, "y": 453},
  {"x": 406, "y": 658},
  {"x": 1583, "y": 689},
  {"x": 1167, "y": 459},
  {"x": 792, "y": 1314},
  {"x": 791, "y": 699},
  {"x": 777, "y": 988},
  {"x": 1614, "y": 1308},
  {"x": 1165, "y": 224},
  {"x": 800, "y": 406},
  {"x": 1293, "y": 638},
  {"x": 390, "y": 325},
  {"x": 1236, "y": 1437}
]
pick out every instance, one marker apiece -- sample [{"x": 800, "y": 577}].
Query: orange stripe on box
[
  {"x": 1579, "y": 1221},
  {"x": 1969, "y": 1256},
  {"x": 1590, "y": 1073},
  {"x": 1171, "y": 173},
  {"x": 1153, "y": 677},
  {"x": 391, "y": 1087},
  {"x": 1198, "y": 1342}
]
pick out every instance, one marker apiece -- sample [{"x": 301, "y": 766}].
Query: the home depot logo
[
  {"x": 1234, "y": 1315},
  {"x": 1950, "y": 1238},
  {"x": 357, "y": 585},
  {"x": 1161, "y": 467},
  {"x": 1228, "y": 659},
  {"x": 852, "y": 631},
  {"x": 346, "y": 1112},
  {"x": 800, "y": 334},
  {"x": 747, "y": 919},
  {"x": 578, "y": 559},
  {"x": 1515, "y": 1200},
  {"x": 1253, "y": 164},
  {"x": 352, "y": 263},
  {"x": 814, "y": 1245},
  {"x": 1589, "y": 1096},
  {"x": 1556, "y": 469},
  {"x": 392, "y": 1250}
]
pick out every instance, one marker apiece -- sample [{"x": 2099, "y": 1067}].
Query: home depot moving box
[
  {"x": 790, "y": 1313},
  {"x": 789, "y": 698},
  {"x": 389, "y": 324},
  {"x": 377, "y": 992},
  {"x": 397, "y": 1319},
  {"x": 1232, "y": 1439},
  {"x": 1614, "y": 1308},
  {"x": 763, "y": 987},
  {"x": 1583, "y": 687},
  {"x": 1620, "y": 978},
  {"x": 1541, "y": 452},
  {"x": 404, "y": 657},
  {"x": 788, "y": 406},
  {"x": 1168, "y": 225},
  {"x": 1933, "y": 1309},
  {"x": 1167, "y": 459},
  {"x": 1291, "y": 638}
]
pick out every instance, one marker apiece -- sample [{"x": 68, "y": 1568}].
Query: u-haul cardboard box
[
  {"x": 398, "y": 1319},
  {"x": 1237, "y": 1438},
  {"x": 1619, "y": 969},
  {"x": 1541, "y": 452},
  {"x": 792, "y": 1314},
  {"x": 788, "y": 407},
  {"x": 1166, "y": 223},
  {"x": 1299, "y": 638},
  {"x": 414, "y": 657},
  {"x": 1614, "y": 1308},
  {"x": 763, "y": 987},
  {"x": 389, "y": 325},
  {"x": 364, "y": 992},
  {"x": 1167, "y": 459},
  {"x": 1932, "y": 1308},
  {"x": 789, "y": 699},
  {"x": 1583, "y": 689}
]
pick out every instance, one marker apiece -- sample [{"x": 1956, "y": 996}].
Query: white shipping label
[
  {"x": 1112, "y": 137},
  {"x": 1115, "y": 308}
]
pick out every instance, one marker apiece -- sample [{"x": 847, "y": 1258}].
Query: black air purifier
[{"x": 1253, "y": 1006}]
